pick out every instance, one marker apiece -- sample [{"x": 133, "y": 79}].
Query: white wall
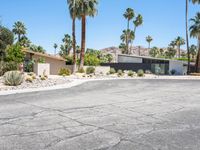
[
  {"x": 178, "y": 66},
  {"x": 127, "y": 59},
  {"x": 41, "y": 69}
]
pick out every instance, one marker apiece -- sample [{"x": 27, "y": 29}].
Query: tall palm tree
[
  {"x": 149, "y": 39},
  {"x": 187, "y": 38},
  {"x": 73, "y": 10},
  {"x": 137, "y": 22},
  {"x": 19, "y": 29},
  {"x": 179, "y": 42},
  {"x": 55, "y": 47},
  {"x": 85, "y": 8},
  {"x": 195, "y": 32},
  {"x": 129, "y": 15}
]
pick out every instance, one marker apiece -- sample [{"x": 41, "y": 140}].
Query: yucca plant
[{"x": 13, "y": 78}]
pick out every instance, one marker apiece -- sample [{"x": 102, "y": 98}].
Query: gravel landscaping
[{"x": 37, "y": 83}]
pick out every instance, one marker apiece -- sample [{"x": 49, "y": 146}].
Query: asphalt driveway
[{"x": 113, "y": 115}]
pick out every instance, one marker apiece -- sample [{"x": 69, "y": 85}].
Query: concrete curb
[{"x": 76, "y": 82}]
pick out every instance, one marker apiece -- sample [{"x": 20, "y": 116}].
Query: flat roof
[{"x": 147, "y": 57}]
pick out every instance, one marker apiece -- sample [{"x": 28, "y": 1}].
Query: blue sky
[{"x": 48, "y": 20}]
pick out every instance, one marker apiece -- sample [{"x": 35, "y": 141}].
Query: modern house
[
  {"x": 155, "y": 65},
  {"x": 51, "y": 63}
]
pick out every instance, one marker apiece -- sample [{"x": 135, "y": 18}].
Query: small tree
[
  {"x": 6, "y": 39},
  {"x": 154, "y": 51},
  {"x": 15, "y": 54}
]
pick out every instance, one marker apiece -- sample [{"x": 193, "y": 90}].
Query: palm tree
[
  {"x": 129, "y": 15},
  {"x": 127, "y": 34},
  {"x": 187, "y": 38},
  {"x": 67, "y": 41},
  {"x": 24, "y": 41},
  {"x": 73, "y": 10},
  {"x": 195, "y": 32},
  {"x": 154, "y": 51},
  {"x": 19, "y": 29},
  {"x": 55, "y": 47},
  {"x": 138, "y": 22},
  {"x": 149, "y": 39},
  {"x": 172, "y": 44},
  {"x": 85, "y": 8},
  {"x": 179, "y": 42},
  {"x": 193, "y": 51}
]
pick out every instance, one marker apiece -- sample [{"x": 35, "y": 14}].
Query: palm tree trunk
[
  {"x": 74, "y": 44},
  {"x": 198, "y": 57},
  {"x": 83, "y": 40},
  {"x": 19, "y": 37},
  {"x": 179, "y": 51},
  {"x": 127, "y": 44},
  {"x": 187, "y": 38}
]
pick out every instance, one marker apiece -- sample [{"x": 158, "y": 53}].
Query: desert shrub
[
  {"x": 130, "y": 73},
  {"x": 13, "y": 78},
  {"x": 120, "y": 73},
  {"x": 43, "y": 77},
  {"x": 90, "y": 70},
  {"x": 140, "y": 73},
  {"x": 112, "y": 71},
  {"x": 173, "y": 72},
  {"x": 29, "y": 79},
  {"x": 81, "y": 70},
  {"x": 148, "y": 72},
  {"x": 64, "y": 71}
]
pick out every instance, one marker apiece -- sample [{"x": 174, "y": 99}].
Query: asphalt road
[{"x": 113, "y": 115}]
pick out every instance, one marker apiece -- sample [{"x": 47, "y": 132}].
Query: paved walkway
[{"x": 101, "y": 115}]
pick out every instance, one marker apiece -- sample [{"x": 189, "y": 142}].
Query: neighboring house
[
  {"x": 55, "y": 62},
  {"x": 155, "y": 65}
]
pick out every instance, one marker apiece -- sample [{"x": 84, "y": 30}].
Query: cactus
[{"x": 13, "y": 78}]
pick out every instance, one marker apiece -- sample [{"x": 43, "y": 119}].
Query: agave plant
[{"x": 13, "y": 78}]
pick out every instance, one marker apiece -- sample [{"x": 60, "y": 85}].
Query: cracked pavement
[{"x": 104, "y": 115}]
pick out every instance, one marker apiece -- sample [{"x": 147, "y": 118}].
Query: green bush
[
  {"x": 81, "y": 70},
  {"x": 91, "y": 60},
  {"x": 130, "y": 73},
  {"x": 90, "y": 70},
  {"x": 15, "y": 54},
  {"x": 64, "y": 71},
  {"x": 112, "y": 71},
  {"x": 7, "y": 66},
  {"x": 120, "y": 73},
  {"x": 140, "y": 73},
  {"x": 13, "y": 78},
  {"x": 173, "y": 72}
]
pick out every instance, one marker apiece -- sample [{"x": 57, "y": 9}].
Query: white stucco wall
[
  {"x": 178, "y": 66},
  {"x": 42, "y": 69},
  {"x": 128, "y": 59}
]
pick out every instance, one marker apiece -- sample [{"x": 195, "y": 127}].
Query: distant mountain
[{"x": 136, "y": 50}]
